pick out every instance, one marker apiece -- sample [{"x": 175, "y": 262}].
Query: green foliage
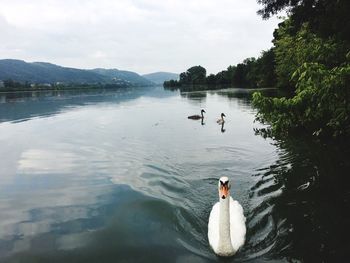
[
  {"x": 211, "y": 80},
  {"x": 321, "y": 105},
  {"x": 265, "y": 69},
  {"x": 171, "y": 84},
  {"x": 294, "y": 49},
  {"x": 317, "y": 70},
  {"x": 312, "y": 59},
  {"x": 251, "y": 73},
  {"x": 194, "y": 75}
]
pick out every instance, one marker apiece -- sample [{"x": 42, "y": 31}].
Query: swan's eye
[{"x": 221, "y": 182}]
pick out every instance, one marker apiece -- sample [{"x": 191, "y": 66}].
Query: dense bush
[
  {"x": 312, "y": 60},
  {"x": 320, "y": 106}
]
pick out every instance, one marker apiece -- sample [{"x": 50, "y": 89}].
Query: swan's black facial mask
[
  {"x": 224, "y": 183},
  {"x": 224, "y": 187}
]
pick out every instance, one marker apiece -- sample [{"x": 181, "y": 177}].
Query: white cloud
[
  {"x": 138, "y": 35},
  {"x": 99, "y": 54}
]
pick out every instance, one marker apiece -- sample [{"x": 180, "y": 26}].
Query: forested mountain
[
  {"x": 130, "y": 76},
  {"x": 40, "y": 72},
  {"x": 160, "y": 77}
]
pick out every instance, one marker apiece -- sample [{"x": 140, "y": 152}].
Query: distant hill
[
  {"x": 160, "y": 77},
  {"x": 130, "y": 76},
  {"x": 41, "y": 72}
]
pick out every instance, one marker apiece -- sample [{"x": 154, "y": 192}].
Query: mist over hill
[
  {"x": 160, "y": 77},
  {"x": 116, "y": 74}
]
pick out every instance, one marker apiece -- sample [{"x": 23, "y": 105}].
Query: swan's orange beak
[{"x": 223, "y": 191}]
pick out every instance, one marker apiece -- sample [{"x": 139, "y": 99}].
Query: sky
[{"x": 139, "y": 35}]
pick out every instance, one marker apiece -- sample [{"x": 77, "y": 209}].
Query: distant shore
[{"x": 64, "y": 88}]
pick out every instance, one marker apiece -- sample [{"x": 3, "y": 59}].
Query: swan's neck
[
  {"x": 225, "y": 246},
  {"x": 202, "y": 114}
]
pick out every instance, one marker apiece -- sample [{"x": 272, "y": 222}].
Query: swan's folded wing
[
  {"x": 237, "y": 224},
  {"x": 213, "y": 226}
]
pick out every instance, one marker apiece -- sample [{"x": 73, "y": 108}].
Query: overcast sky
[{"x": 139, "y": 35}]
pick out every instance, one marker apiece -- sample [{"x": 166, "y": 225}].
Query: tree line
[{"x": 252, "y": 72}]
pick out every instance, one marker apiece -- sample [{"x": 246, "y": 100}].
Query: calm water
[{"x": 124, "y": 176}]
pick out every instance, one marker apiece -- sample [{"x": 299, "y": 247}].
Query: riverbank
[{"x": 63, "y": 88}]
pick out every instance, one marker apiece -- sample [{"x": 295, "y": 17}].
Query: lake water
[{"x": 124, "y": 176}]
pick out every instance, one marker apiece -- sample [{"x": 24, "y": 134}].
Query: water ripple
[{"x": 100, "y": 182}]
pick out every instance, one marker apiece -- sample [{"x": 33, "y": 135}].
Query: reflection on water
[
  {"x": 304, "y": 198},
  {"x": 125, "y": 176},
  {"x": 196, "y": 96},
  {"x": 222, "y": 127},
  {"x": 19, "y": 106}
]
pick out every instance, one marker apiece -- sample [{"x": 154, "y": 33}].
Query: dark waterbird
[{"x": 197, "y": 117}]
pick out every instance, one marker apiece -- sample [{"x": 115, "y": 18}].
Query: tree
[
  {"x": 321, "y": 106},
  {"x": 265, "y": 69},
  {"x": 193, "y": 75},
  {"x": 294, "y": 49},
  {"x": 239, "y": 77},
  {"x": 222, "y": 78},
  {"x": 231, "y": 71},
  {"x": 211, "y": 80},
  {"x": 184, "y": 78},
  {"x": 311, "y": 58},
  {"x": 197, "y": 74}
]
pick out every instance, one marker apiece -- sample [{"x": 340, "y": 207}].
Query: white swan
[
  {"x": 226, "y": 227},
  {"x": 221, "y": 120}
]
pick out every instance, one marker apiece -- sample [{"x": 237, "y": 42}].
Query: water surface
[{"x": 124, "y": 176}]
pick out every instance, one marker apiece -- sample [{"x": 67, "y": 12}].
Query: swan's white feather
[
  {"x": 237, "y": 225},
  {"x": 213, "y": 227}
]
